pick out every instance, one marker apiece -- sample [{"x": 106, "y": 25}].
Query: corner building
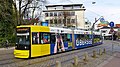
[{"x": 65, "y": 15}]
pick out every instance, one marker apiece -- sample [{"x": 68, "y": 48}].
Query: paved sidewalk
[
  {"x": 7, "y": 48},
  {"x": 113, "y": 61}
]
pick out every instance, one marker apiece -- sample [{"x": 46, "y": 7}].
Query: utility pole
[
  {"x": 112, "y": 32},
  {"x": 92, "y": 29}
]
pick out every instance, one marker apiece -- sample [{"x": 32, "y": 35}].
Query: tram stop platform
[{"x": 113, "y": 61}]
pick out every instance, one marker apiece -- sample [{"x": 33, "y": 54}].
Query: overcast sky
[{"x": 109, "y": 9}]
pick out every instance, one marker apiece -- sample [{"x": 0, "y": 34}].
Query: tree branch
[{"x": 29, "y": 1}]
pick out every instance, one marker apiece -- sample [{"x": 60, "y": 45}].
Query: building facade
[
  {"x": 65, "y": 15},
  {"x": 117, "y": 25},
  {"x": 105, "y": 31}
]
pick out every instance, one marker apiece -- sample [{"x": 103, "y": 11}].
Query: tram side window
[
  {"x": 35, "y": 38},
  {"x": 82, "y": 37},
  {"x": 45, "y": 38},
  {"x": 66, "y": 37},
  {"x": 78, "y": 38},
  {"x": 86, "y": 37},
  {"x": 53, "y": 38}
]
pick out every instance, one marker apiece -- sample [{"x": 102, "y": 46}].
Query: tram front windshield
[{"x": 23, "y": 40}]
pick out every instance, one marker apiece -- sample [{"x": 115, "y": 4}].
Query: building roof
[
  {"x": 64, "y": 10},
  {"x": 117, "y": 25},
  {"x": 71, "y": 7},
  {"x": 65, "y": 5}
]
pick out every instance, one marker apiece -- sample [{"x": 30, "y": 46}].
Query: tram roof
[{"x": 60, "y": 30}]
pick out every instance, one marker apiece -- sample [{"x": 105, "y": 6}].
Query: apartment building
[{"x": 65, "y": 15}]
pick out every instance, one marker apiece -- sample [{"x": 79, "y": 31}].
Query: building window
[
  {"x": 47, "y": 20},
  {"x": 55, "y": 21},
  {"x": 59, "y": 21},
  {"x": 72, "y": 14},
  {"x": 51, "y": 21},
  {"x": 68, "y": 21},
  {"x": 55, "y": 13},
  {"x": 59, "y": 13},
  {"x": 66, "y": 13},
  {"x": 64, "y": 20},
  {"x": 46, "y": 14},
  {"x": 51, "y": 14},
  {"x": 73, "y": 21}
]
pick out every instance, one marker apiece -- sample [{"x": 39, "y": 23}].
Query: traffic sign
[
  {"x": 111, "y": 24},
  {"x": 102, "y": 19}
]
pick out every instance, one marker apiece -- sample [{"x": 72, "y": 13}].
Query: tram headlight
[{"x": 25, "y": 47}]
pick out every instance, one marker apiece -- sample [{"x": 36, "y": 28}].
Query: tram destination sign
[{"x": 23, "y": 29}]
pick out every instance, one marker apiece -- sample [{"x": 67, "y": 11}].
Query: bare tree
[{"x": 29, "y": 8}]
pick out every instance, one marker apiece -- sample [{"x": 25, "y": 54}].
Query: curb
[{"x": 9, "y": 48}]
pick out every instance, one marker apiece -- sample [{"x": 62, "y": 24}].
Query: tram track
[
  {"x": 49, "y": 60},
  {"x": 8, "y": 58},
  {"x": 3, "y": 58},
  {"x": 9, "y": 61},
  {"x": 57, "y": 58},
  {"x": 71, "y": 60}
]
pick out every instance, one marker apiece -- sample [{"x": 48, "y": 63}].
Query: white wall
[
  {"x": 80, "y": 18},
  {"x": 106, "y": 33}
]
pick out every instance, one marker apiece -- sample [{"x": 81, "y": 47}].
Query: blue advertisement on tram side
[{"x": 82, "y": 41}]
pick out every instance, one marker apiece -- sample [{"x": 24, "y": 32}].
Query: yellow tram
[{"x": 35, "y": 41}]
